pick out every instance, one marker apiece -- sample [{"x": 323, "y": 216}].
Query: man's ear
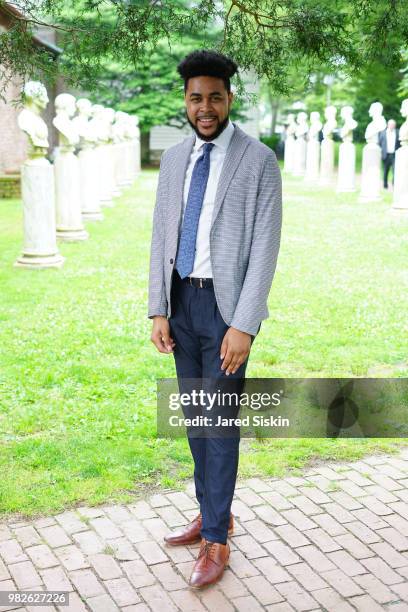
[{"x": 230, "y": 98}]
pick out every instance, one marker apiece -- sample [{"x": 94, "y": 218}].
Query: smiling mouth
[{"x": 207, "y": 121}]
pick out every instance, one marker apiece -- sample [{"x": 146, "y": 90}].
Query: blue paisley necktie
[{"x": 199, "y": 179}]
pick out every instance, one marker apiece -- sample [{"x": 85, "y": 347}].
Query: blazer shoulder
[
  {"x": 259, "y": 151},
  {"x": 174, "y": 150}
]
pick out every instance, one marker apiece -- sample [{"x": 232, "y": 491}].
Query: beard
[{"x": 208, "y": 137}]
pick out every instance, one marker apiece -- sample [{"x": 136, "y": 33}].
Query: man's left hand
[{"x": 235, "y": 348}]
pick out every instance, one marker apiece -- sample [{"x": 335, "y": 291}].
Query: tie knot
[{"x": 207, "y": 147}]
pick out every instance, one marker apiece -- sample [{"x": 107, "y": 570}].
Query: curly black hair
[{"x": 207, "y": 63}]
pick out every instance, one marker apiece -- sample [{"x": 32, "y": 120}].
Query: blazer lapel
[
  {"x": 179, "y": 176},
  {"x": 235, "y": 151}
]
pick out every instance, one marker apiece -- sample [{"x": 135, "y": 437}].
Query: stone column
[
  {"x": 67, "y": 178},
  {"x": 102, "y": 125},
  {"x": 313, "y": 148},
  {"x": 37, "y": 183},
  {"x": 347, "y": 152},
  {"x": 105, "y": 175},
  {"x": 68, "y": 198},
  {"x": 89, "y": 180},
  {"x": 114, "y": 150},
  {"x": 133, "y": 149},
  {"x": 118, "y": 163},
  {"x": 40, "y": 246},
  {"x": 137, "y": 149},
  {"x": 371, "y": 167},
  {"x": 327, "y": 162},
  {"x": 371, "y": 173},
  {"x": 88, "y": 161},
  {"x": 327, "y": 147},
  {"x": 299, "y": 163},
  {"x": 289, "y": 151},
  {"x": 312, "y": 161},
  {"x": 347, "y": 168}
]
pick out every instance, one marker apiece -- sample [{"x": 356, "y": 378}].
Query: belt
[{"x": 201, "y": 283}]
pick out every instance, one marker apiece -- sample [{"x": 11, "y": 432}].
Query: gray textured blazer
[{"x": 244, "y": 236}]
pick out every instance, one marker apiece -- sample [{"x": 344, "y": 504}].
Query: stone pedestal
[
  {"x": 40, "y": 246},
  {"x": 67, "y": 197},
  {"x": 289, "y": 154},
  {"x": 121, "y": 168},
  {"x": 371, "y": 173},
  {"x": 346, "y": 180},
  {"x": 299, "y": 162},
  {"x": 106, "y": 177},
  {"x": 130, "y": 162},
  {"x": 138, "y": 160},
  {"x": 400, "y": 199},
  {"x": 327, "y": 162},
  {"x": 89, "y": 185},
  {"x": 118, "y": 163},
  {"x": 312, "y": 161}
]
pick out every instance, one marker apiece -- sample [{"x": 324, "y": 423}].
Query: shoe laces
[{"x": 207, "y": 551}]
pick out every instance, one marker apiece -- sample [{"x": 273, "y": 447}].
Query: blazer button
[{"x": 171, "y": 261}]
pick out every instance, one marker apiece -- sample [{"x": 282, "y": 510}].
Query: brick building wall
[{"x": 13, "y": 142}]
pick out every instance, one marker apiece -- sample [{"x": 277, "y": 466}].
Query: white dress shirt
[
  {"x": 202, "y": 263},
  {"x": 391, "y": 138}
]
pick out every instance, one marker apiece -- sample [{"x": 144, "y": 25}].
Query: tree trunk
[
  {"x": 274, "y": 104},
  {"x": 145, "y": 148}
]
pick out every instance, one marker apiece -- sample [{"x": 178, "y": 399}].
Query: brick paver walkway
[{"x": 334, "y": 539}]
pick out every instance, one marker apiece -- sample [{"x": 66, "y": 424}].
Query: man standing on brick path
[{"x": 215, "y": 242}]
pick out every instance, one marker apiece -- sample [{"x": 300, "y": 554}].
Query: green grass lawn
[{"x": 78, "y": 371}]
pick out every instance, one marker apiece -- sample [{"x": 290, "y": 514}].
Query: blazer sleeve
[
  {"x": 157, "y": 290},
  {"x": 252, "y": 303}
]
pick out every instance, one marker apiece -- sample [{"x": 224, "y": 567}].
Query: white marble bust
[
  {"x": 315, "y": 125},
  {"x": 302, "y": 126},
  {"x": 403, "y": 131},
  {"x": 349, "y": 124},
  {"x": 331, "y": 122},
  {"x": 102, "y": 120},
  {"x": 30, "y": 121},
  {"x": 65, "y": 106},
  {"x": 377, "y": 124},
  {"x": 132, "y": 131},
  {"x": 291, "y": 129},
  {"x": 82, "y": 123},
  {"x": 97, "y": 124},
  {"x": 119, "y": 126},
  {"x": 108, "y": 116}
]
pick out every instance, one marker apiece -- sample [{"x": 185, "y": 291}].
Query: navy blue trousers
[{"x": 198, "y": 329}]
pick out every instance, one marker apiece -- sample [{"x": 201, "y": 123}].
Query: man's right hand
[{"x": 161, "y": 335}]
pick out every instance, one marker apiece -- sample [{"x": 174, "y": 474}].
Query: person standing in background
[{"x": 389, "y": 143}]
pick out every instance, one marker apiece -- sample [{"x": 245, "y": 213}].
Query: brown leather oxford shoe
[
  {"x": 210, "y": 565},
  {"x": 190, "y": 534}
]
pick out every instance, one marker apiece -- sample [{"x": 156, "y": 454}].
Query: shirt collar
[{"x": 222, "y": 141}]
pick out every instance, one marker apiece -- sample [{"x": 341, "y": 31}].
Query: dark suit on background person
[{"x": 388, "y": 140}]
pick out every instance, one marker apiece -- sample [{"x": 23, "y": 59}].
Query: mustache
[{"x": 219, "y": 128}]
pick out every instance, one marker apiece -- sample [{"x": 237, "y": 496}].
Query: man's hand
[
  {"x": 235, "y": 349},
  {"x": 161, "y": 335}
]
